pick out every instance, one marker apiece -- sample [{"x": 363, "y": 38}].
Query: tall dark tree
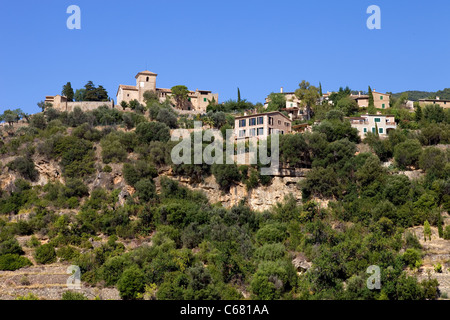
[
  {"x": 239, "y": 96},
  {"x": 102, "y": 94},
  {"x": 371, "y": 102},
  {"x": 90, "y": 93},
  {"x": 67, "y": 91}
]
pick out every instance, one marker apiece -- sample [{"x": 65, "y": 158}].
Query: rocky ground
[
  {"x": 46, "y": 282},
  {"x": 435, "y": 251}
]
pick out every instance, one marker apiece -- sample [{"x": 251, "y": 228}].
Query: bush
[
  {"x": 145, "y": 190},
  {"x": 11, "y": 246},
  {"x": 72, "y": 295},
  {"x": 167, "y": 117},
  {"x": 447, "y": 233},
  {"x": 45, "y": 254},
  {"x": 67, "y": 253},
  {"x": 152, "y": 131},
  {"x": 25, "y": 167},
  {"x": 226, "y": 175},
  {"x": 11, "y": 262},
  {"x": 408, "y": 153},
  {"x": 131, "y": 283}
]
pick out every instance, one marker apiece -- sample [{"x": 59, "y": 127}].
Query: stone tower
[{"x": 145, "y": 80}]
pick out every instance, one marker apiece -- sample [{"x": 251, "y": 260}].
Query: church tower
[{"x": 145, "y": 80}]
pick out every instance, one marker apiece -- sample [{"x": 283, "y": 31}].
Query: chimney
[
  {"x": 281, "y": 90},
  {"x": 245, "y": 113},
  {"x": 437, "y": 98},
  {"x": 359, "y": 93}
]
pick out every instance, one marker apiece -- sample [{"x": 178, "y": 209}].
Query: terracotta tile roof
[
  {"x": 126, "y": 87},
  {"x": 146, "y": 72}
]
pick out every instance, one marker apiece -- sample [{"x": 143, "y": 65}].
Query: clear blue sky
[{"x": 257, "y": 46}]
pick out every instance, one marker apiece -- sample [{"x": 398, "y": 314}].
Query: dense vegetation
[{"x": 200, "y": 250}]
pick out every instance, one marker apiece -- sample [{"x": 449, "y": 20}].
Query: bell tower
[{"x": 145, "y": 80}]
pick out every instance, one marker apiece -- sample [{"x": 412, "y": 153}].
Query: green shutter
[
  {"x": 204, "y": 99},
  {"x": 365, "y": 130},
  {"x": 383, "y": 105},
  {"x": 380, "y": 130},
  {"x": 381, "y": 97},
  {"x": 377, "y": 120}
]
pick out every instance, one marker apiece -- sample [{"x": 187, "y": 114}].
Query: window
[
  {"x": 270, "y": 120},
  {"x": 279, "y": 121},
  {"x": 252, "y": 132},
  {"x": 147, "y": 79},
  {"x": 380, "y": 130},
  {"x": 292, "y": 105},
  {"x": 260, "y": 131},
  {"x": 242, "y": 123},
  {"x": 365, "y": 130},
  {"x": 260, "y": 120},
  {"x": 373, "y": 130},
  {"x": 189, "y": 99},
  {"x": 381, "y": 97},
  {"x": 383, "y": 105},
  {"x": 252, "y": 122},
  {"x": 286, "y": 124},
  {"x": 241, "y": 133},
  {"x": 204, "y": 99},
  {"x": 377, "y": 120}
]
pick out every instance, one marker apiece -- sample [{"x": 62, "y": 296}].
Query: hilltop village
[{"x": 363, "y": 180}]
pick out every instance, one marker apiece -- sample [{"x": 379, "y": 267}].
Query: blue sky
[{"x": 258, "y": 46}]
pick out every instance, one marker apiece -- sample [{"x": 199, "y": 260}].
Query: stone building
[
  {"x": 60, "y": 103},
  {"x": 261, "y": 125},
  {"x": 441, "y": 102},
  {"x": 198, "y": 100},
  {"x": 370, "y": 123},
  {"x": 380, "y": 100}
]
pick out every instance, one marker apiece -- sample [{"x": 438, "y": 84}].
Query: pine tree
[
  {"x": 67, "y": 91},
  {"x": 418, "y": 116}
]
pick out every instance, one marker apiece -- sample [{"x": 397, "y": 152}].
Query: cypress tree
[{"x": 371, "y": 102}]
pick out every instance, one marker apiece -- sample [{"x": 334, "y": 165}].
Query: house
[
  {"x": 380, "y": 100},
  {"x": 302, "y": 128},
  {"x": 198, "y": 100},
  {"x": 261, "y": 125},
  {"x": 372, "y": 123},
  {"x": 443, "y": 103}
]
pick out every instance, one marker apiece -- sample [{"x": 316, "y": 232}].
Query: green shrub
[
  {"x": 29, "y": 296},
  {"x": 131, "y": 283},
  {"x": 67, "y": 253},
  {"x": 25, "y": 167},
  {"x": 45, "y": 254},
  {"x": 11, "y": 262},
  {"x": 72, "y": 295}
]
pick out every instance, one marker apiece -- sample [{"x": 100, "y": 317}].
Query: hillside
[
  {"x": 415, "y": 95},
  {"x": 99, "y": 190}
]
